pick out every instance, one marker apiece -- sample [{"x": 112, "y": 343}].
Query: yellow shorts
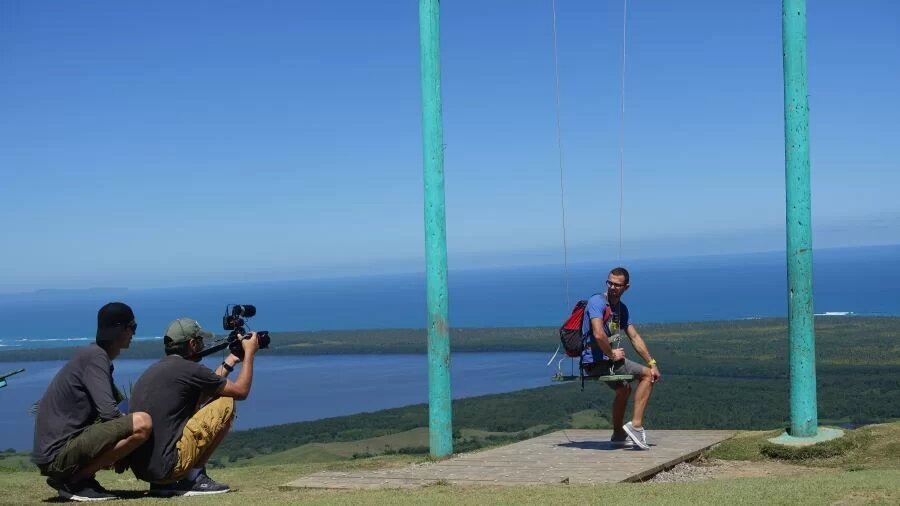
[{"x": 200, "y": 431}]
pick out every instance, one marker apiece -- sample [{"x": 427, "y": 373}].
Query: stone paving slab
[{"x": 571, "y": 456}]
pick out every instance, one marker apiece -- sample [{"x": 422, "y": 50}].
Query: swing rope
[
  {"x": 622, "y": 129},
  {"x": 559, "y": 145}
]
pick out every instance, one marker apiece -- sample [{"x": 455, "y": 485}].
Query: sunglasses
[
  {"x": 132, "y": 326},
  {"x": 615, "y": 285}
]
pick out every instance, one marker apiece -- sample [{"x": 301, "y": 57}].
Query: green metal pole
[
  {"x": 804, "y": 418},
  {"x": 440, "y": 424}
]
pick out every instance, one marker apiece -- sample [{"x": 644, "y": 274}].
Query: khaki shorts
[
  {"x": 84, "y": 448},
  {"x": 200, "y": 431}
]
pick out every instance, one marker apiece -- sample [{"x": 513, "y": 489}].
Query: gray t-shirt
[
  {"x": 170, "y": 392},
  {"x": 81, "y": 392}
]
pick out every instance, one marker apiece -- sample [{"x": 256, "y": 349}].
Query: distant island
[{"x": 766, "y": 335}]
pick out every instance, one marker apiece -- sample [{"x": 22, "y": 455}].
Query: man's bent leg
[
  {"x": 211, "y": 448},
  {"x": 642, "y": 397},
  {"x": 202, "y": 435},
  {"x": 84, "y": 454},
  {"x": 620, "y": 402},
  {"x": 141, "y": 426}
]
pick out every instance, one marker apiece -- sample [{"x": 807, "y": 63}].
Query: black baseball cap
[{"x": 112, "y": 319}]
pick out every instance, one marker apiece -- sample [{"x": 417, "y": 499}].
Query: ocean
[{"x": 863, "y": 281}]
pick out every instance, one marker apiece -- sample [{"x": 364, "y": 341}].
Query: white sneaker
[
  {"x": 638, "y": 435},
  {"x": 623, "y": 441}
]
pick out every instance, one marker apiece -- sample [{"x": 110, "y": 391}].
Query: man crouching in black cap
[
  {"x": 192, "y": 408},
  {"x": 79, "y": 428}
]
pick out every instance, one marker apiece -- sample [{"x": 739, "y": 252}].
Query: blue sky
[{"x": 166, "y": 143}]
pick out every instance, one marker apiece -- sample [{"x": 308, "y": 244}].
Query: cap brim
[{"x": 205, "y": 334}]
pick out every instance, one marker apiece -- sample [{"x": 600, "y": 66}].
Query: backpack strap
[{"x": 596, "y": 352}]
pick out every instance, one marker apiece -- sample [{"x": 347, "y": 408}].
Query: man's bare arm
[
  {"x": 603, "y": 341},
  {"x": 641, "y": 348},
  {"x": 231, "y": 360},
  {"x": 240, "y": 388}
]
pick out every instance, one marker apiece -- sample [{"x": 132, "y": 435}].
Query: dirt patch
[{"x": 718, "y": 469}]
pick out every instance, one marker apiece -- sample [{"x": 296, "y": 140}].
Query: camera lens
[
  {"x": 263, "y": 338},
  {"x": 245, "y": 310}
]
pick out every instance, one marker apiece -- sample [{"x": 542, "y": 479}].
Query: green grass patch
[
  {"x": 870, "y": 447},
  {"x": 858, "y": 440},
  {"x": 413, "y": 441},
  {"x": 589, "y": 419},
  {"x": 743, "y": 446},
  {"x": 14, "y": 461}
]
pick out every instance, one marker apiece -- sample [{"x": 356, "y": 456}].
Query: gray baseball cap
[{"x": 183, "y": 330}]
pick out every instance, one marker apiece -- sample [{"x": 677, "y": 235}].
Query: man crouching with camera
[{"x": 192, "y": 408}]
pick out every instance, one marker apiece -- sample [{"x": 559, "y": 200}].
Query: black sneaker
[
  {"x": 170, "y": 489},
  {"x": 54, "y": 483},
  {"x": 94, "y": 484},
  {"x": 83, "y": 491},
  {"x": 203, "y": 485}
]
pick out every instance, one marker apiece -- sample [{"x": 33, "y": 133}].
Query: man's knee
[
  {"x": 227, "y": 405},
  {"x": 218, "y": 414},
  {"x": 141, "y": 425}
]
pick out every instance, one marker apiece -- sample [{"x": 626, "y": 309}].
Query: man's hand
[
  {"x": 250, "y": 345},
  {"x": 654, "y": 374},
  {"x": 617, "y": 354}
]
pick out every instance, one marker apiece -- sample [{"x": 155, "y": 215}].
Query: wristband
[
  {"x": 227, "y": 367},
  {"x": 652, "y": 362}
]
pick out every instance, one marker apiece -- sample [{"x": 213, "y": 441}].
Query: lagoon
[{"x": 297, "y": 388}]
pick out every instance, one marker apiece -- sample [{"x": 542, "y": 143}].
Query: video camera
[{"x": 234, "y": 322}]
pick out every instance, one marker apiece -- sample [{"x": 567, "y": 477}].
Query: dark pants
[{"x": 92, "y": 442}]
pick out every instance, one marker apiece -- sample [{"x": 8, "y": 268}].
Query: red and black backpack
[{"x": 570, "y": 334}]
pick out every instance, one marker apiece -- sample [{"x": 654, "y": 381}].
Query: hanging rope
[
  {"x": 562, "y": 188},
  {"x": 622, "y": 131}
]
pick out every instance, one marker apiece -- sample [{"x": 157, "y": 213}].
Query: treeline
[{"x": 730, "y": 348}]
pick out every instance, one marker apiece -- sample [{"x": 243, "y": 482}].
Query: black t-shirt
[
  {"x": 170, "y": 392},
  {"x": 81, "y": 393}
]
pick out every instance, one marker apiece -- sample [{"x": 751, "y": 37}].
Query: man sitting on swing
[{"x": 606, "y": 316}]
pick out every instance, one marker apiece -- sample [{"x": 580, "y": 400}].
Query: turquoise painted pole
[
  {"x": 804, "y": 417},
  {"x": 440, "y": 425}
]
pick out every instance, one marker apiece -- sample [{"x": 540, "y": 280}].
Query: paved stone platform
[{"x": 571, "y": 456}]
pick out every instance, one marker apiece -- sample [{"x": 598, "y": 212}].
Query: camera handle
[{"x": 218, "y": 346}]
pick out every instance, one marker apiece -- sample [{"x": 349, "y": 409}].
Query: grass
[
  {"x": 330, "y": 452},
  {"x": 13, "y": 461},
  {"x": 870, "y": 447},
  {"x": 589, "y": 419},
  {"x": 261, "y": 485},
  {"x": 868, "y": 473}
]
